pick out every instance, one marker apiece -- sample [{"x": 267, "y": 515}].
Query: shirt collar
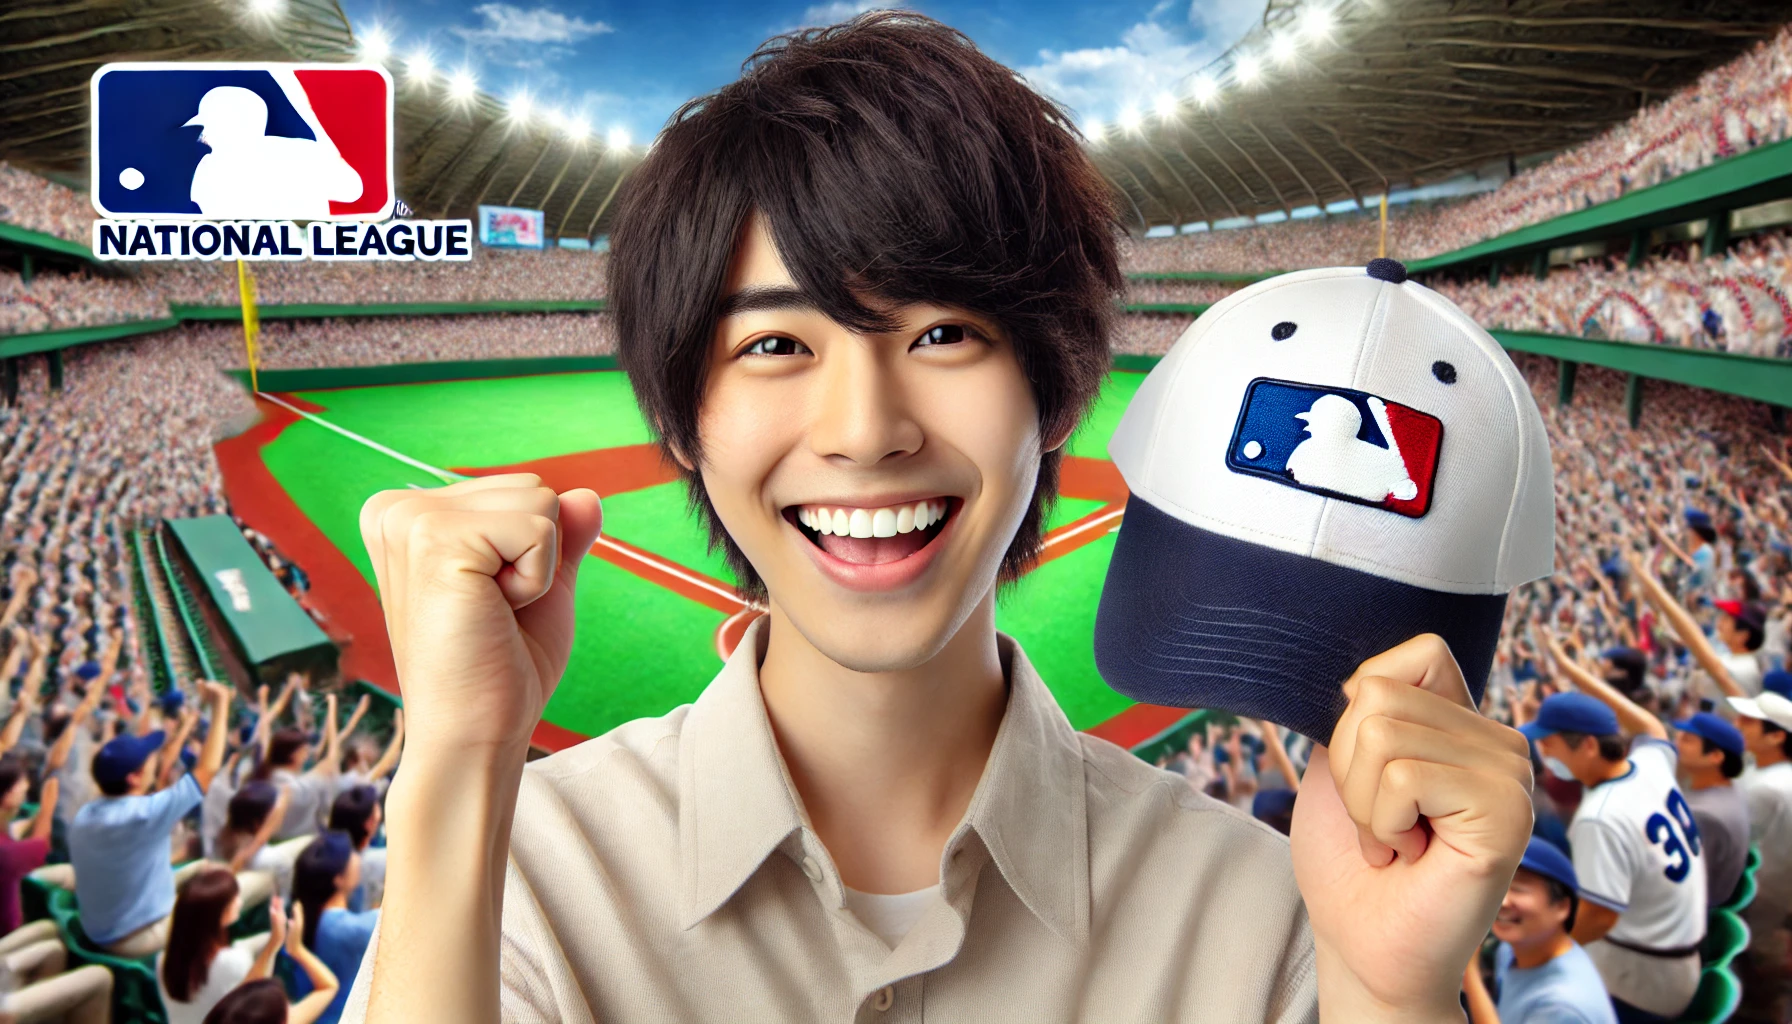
[{"x": 738, "y": 804}]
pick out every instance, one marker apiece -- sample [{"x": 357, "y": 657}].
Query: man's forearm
[
  {"x": 1343, "y": 998},
  {"x": 448, "y": 838}
]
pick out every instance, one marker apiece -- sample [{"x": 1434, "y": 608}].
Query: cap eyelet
[
  {"x": 1283, "y": 331},
  {"x": 1444, "y": 372}
]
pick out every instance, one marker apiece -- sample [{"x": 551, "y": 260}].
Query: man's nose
[{"x": 863, "y": 412}]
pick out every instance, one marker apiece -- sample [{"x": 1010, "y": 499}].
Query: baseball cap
[
  {"x": 1571, "y": 712},
  {"x": 1746, "y": 612},
  {"x": 1726, "y": 736},
  {"x": 1325, "y": 465},
  {"x": 1697, "y": 517},
  {"x": 1768, "y": 707},
  {"x": 1272, "y": 802},
  {"x": 1542, "y": 857},
  {"x": 123, "y": 755}
]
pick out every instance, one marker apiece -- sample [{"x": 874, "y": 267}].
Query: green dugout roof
[
  {"x": 266, "y": 622},
  {"x": 1754, "y": 177}
]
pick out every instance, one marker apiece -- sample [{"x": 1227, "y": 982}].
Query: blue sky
[{"x": 629, "y": 64}]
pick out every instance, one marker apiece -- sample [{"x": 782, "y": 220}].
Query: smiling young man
[{"x": 863, "y": 296}]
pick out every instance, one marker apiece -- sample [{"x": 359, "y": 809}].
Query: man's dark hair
[
  {"x": 1706, "y": 533},
  {"x": 892, "y": 163},
  {"x": 1611, "y": 746},
  {"x": 1559, "y": 892},
  {"x": 11, "y": 771},
  {"x": 1750, "y": 624},
  {"x": 1785, "y": 737},
  {"x": 1732, "y": 766}
]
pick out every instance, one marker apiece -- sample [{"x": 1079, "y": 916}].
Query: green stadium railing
[
  {"x": 68, "y": 337},
  {"x": 38, "y": 243},
  {"x": 328, "y": 310},
  {"x": 1757, "y": 176},
  {"x": 421, "y": 373},
  {"x": 1191, "y": 308},
  {"x": 1219, "y": 276}
]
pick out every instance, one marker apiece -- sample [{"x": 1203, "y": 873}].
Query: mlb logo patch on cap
[
  {"x": 1325, "y": 465},
  {"x": 242, "y": 141}
]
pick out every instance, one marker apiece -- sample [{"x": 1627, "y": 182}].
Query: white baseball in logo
[{"x": 1333, "y": 458}]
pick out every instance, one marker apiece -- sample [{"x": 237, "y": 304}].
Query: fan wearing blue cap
[
  {"x": 119, "y": 844},
  {"x": 1711, "y": 750},
  {"x": 1543, "y": 974},
  {"x": 1638, "y": 854}
]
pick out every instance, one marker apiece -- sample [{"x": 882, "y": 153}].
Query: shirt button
[
  {"x": 812, "y": 869},
  {"x": 885, "y": 998}
]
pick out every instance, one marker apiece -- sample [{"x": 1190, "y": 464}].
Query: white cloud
[
  {"x": 527, "y": 38},
  {"x": 510, "y": 24},
  {"x": 840, "y": 10},
  {"x": 1152, "y": 56}
]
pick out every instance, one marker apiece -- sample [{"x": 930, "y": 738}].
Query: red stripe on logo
[
  {"x": 1420, "y": 436},
  {"x": 351, "y": 105}
]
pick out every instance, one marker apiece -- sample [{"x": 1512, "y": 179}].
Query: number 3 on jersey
[{"x": 1662, "y": 833}]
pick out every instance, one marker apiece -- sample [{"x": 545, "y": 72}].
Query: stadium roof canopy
[
  {"x": 1367, "y": 95},
  {"x": 456, "y": 148}
]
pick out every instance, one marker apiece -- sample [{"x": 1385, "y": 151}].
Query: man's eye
[
  {"x": 944, "y": 334},
  {"x": 775, "y": 345}
]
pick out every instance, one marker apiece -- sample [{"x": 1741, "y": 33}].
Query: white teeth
[
  {"x": 866, "y": 522},
  {"x": 883, "y": 523}
]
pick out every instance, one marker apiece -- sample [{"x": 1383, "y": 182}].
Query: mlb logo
[
  {"x": 1338, "y": 442},
  {"x": 242, "y": 141}
]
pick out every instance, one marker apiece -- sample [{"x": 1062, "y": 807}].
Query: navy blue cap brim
[
  {"x": 1534, "y": 731},
  {"x": 1194, "y": 619}
]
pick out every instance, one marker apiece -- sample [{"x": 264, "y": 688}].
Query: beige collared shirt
[{"x": 665, "y": 872}]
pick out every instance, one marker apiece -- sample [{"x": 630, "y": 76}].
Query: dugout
[{"x": 267, "y": 630}]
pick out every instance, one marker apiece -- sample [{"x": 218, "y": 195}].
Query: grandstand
[{"x": 1627, "y": 236}]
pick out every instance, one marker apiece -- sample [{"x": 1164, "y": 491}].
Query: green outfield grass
[{"x": 641, "y": 649}]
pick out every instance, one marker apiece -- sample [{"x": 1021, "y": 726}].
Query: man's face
[
  {"x": 1692, "y": 751},
  {"x": 1729, "y": 633},
  {"x": 1526, "y": 914},
  {"x": 1755, "y": 737},
  {"x": 806, "y": 423}
]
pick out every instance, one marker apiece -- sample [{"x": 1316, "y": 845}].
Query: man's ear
[
  {"x": 681, "y": 458},
  {"x": 1059, "y": 437}
]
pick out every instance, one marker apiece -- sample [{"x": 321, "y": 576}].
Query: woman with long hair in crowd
[
  {"x": 324, "y": 879},
  {"x": 263, "y": 1001},
  {"x": 255, "y": 814},
  {"x": 200, "y": 964}
]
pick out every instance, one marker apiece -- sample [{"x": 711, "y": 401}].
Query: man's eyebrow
[{"x": 764, "y": 298}]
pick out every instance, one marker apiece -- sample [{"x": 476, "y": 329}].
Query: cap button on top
[{"x": 1384, "y": 269}]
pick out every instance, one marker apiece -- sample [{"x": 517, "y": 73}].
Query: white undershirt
[{"x": 890, "y": 917}]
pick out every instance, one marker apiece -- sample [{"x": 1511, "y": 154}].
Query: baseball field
[{"x": 656, "y": 609}]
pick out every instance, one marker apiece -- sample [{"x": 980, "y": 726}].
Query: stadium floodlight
[
  {"x": 462, "y": 86},
  {"x": 1284, "y": 48},
  {"x": 1317, "y": 23},
  {"x": 266, "y": 8},
  {"x": 1095, "y": 130},
  {"x": 1248, "y": 68},
  {"x": 578, "y": 128},
  {"x": 1166, "y": 106},
  {"x": 521, "y": 108},
  {"x": 617, "y": 138},
  {"x": 1130, "y": 119},
  {"x": 375, "y": 47},
  {"x": 1205, "y": 89},
  {"x": 419, "y": 67}
]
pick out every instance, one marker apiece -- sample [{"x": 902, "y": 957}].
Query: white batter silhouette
[
  {"x": 1335, "y": 459},
  {"x": 251, "y": 175}
]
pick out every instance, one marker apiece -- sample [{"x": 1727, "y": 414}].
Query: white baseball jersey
[{"x": 1637, "y": 851}]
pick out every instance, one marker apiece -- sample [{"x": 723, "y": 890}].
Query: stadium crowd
[{"x": 1736, "y": 302}]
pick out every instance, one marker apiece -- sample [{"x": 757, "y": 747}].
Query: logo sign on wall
[
  {"x": 510, "y": 227},
  {"x": 224, "y": 160}
]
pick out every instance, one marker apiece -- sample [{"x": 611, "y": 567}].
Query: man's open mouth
[{"x": 873, "y": 536}]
